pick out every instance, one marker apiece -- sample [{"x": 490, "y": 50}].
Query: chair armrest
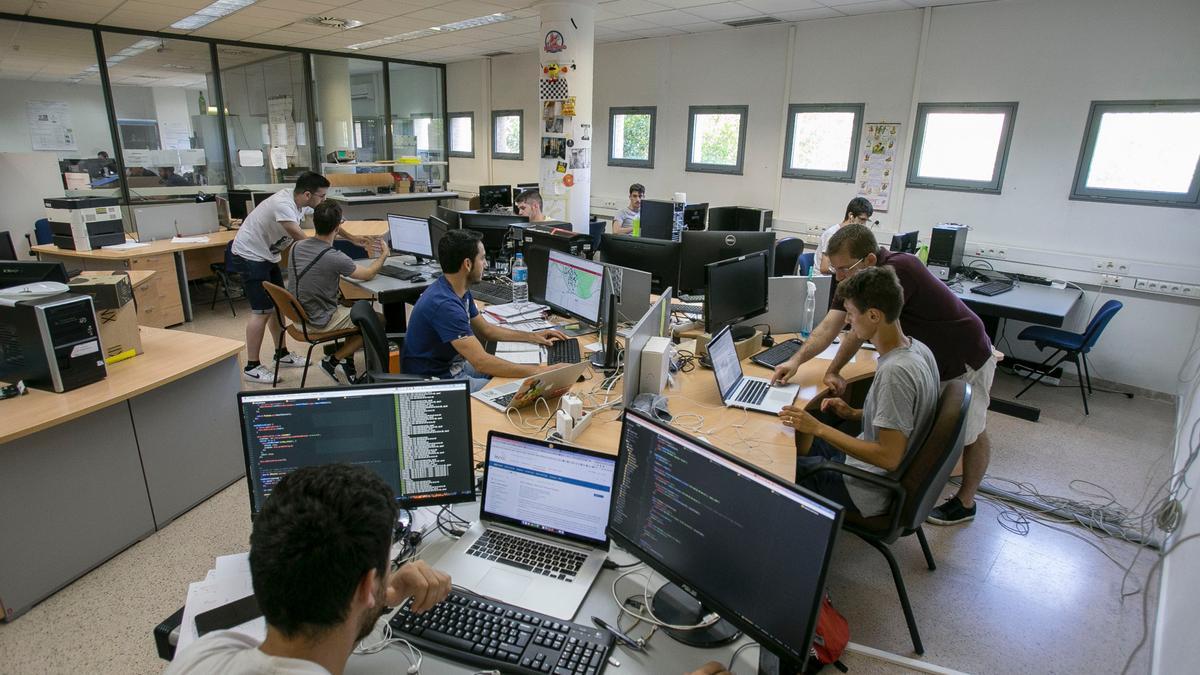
[
  {"x": 889, "y": 484},
  {"x": 394, "y": 377}
]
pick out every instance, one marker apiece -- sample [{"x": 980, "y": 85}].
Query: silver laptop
[
  {"x": 785, "y": 303},
  {"x": 540, "y": 540},
  {"x": 738, "y": 390},
  {"x": 523, "y": 393}
]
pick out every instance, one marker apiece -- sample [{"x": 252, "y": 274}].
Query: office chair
[
  {"x": 1074, "y": 346},
  {"x": 7, "y": 250},
  {"x": 228, "y": 278},
  {"x": 292, "y": 318},
  {"x": 375, "y": 345},
  {"x": 915, "y": 491},
  {"x": 807, "y": 260},
  {"x": 787, "y": 256}
]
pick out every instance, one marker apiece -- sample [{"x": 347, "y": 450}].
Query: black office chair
[
  {"x": 227, "y": 280},
  {"x": 375, "y": 345},
  {"x": 787, "y": 256}
]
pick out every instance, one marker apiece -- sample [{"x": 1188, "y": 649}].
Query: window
[
  {"x": 961, "y": 146},
  {"x": 417, "y": 121},
  {"x": 1141, "y": 152},
  {"x": 462, "y": 134},
  {"x": 822, "y": 141},
  {"x": 349, "y": 98},
  {"x": 631, "y": 137},
  {"x": 507, "y": 134},
  {"x": 717, "y": 138}
]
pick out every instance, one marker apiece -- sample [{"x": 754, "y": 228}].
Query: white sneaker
[
  {"x": 293, "y": 360},
  {"x": 259, "y": 373}
]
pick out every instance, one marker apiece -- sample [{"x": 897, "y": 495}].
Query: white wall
[
  {"x": 465, "y": 93},
  {"x": 1054, "y": 58},
  {"x": 87, "y": 114}
]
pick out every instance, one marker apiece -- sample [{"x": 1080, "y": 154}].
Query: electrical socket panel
[
  {"x": 1107, "y": 266},
  {"x": 1168, "y": 288},
  {"x": 1110, "y": 280},
  {"x": 990, "y": 252}
]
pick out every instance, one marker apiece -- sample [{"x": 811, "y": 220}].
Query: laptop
[
  {"x": 540, "y": 540},
  {"x": 738, "y": 390},
  {"x": 523, "y": 393}
]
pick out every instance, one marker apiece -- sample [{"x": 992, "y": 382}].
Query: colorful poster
[
  {"x": 877, "y": 163},
  {"x": 50, "y": 125}
]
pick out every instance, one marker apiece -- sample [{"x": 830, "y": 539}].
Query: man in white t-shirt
[
  {"x": 319, "y": 557},
  {"x": 624, "y": 222},
  {"x": 858, "y": 211}
]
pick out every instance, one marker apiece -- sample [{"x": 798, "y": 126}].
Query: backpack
[{"x": 829, "y": 639}]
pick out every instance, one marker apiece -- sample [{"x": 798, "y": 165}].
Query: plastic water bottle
[
  {"x": 810, "y": 309},
  {"x": 520, "y": 279},
  {"x": 677, "y": 228}
]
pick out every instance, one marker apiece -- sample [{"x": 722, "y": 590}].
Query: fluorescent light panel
[
  {"x": 435, "y": 30},
  {"x": 211, "y": 13}
]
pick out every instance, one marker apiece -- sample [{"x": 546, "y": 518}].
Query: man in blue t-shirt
[{"x": 446, "y": 333}]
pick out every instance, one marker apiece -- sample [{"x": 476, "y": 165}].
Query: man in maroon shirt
[{"x": 936, "y": 317}]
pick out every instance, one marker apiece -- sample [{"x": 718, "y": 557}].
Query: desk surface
[
  {"x": 1034, "y": 303},
  {"x": 169, "y": 356},
  {"x": 394, "y": 197},
  {"x": 215, "y": 239}
]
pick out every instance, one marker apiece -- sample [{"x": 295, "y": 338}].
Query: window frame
[
  {"x": 693, "y": 110},
  {"x": 847, "y": 176},
  {"x": 520, "y": 115},
  {"x": 450, "y": 117},
  {"x": 650, "y": 110},
  {"x": 994, "y": 186},
  {"x": 1087, "y": 149}
]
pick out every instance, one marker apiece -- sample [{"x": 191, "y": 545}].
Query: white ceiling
[{"x": 281, "y": 22}]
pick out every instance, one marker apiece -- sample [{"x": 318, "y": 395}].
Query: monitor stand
[
  {"x": 739, "y": 333},
  {"x": 606, "y": 358},
  {"x": 770, "y": 663},
  {"x": 673, "y": 605}
]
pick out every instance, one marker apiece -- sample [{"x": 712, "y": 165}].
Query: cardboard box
[
  {"x": 119, "y": 330},
  {"x": 109, "y": 291}
]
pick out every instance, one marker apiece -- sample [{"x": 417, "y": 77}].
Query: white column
[
  {"x": 564, "y": 85},
  {"x": 334, "y": 113}
]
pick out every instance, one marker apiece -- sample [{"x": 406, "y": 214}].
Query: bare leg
[
  {"x": 256, "y": 329},
  {"x": 349, "y": 346},
  {"x": 975, "y": 463}
]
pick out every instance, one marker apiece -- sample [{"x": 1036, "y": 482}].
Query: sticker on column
[
  {"x": 553, "y": 148},
  {"x": 581, "y": 158},
  {"x": 569, "y": 107},
  {"x": 585, "y": 132},
  {"x": 569, "y": 180},
  {"x": 561, "y": 167},
  {"x": 554, "y": 89},
  {"x": 554, "y": 43}
]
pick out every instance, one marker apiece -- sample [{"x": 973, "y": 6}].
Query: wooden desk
[{"x": 87, "y": 473}]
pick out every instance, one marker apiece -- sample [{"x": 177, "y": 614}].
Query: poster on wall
[
  {"x": 878, "y": 163},
  {"x": 282, "y": 126},
  {"x": 50, "y": 125}
]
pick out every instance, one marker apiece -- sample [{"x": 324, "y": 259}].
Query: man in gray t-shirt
[{"x": 899, "y": 408}]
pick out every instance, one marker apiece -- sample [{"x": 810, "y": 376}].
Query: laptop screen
[
  {"x": 551, "y": 488},
  {"x": 725, "y": 362}
]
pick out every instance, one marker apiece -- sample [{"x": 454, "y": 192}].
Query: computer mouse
[{"x": 417, "y": 279}]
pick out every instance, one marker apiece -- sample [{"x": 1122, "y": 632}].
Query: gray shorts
[{"x": 981, "y": 397}]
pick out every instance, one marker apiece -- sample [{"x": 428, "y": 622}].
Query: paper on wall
[
  {"x": 50, "y": 125},
  {"x": 279, "y": 158},
  {"x": 250, "y": 157}
]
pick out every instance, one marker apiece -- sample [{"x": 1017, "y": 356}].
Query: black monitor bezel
[
  {"x": 912, "y": 237},
  {"x": 707, "y": 600},
  {"x": 687, "y": 262},
  {"x": 452, "y": 217},
  {"x": 49, "y": 271},
  {"x": 401, "y": 501},
  {"x": 659, "y": 230},
  {"x": 497, "y": 189},
  {"x": 703, "y": 209},
  {"x": 709, "y": 327},
  {"x": 604, "y": 286},
  {"x": 625, "y": 241},
  {"x": 429, "y": 231}
]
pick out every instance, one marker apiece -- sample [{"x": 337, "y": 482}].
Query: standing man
[
  {"x": 529, "y": 203},
  {"x": 628, "y": 220},
  {"x": 858, "y": 212},
  {"x": 446, "y": 333},
  {"x": 933, "y": 315}
]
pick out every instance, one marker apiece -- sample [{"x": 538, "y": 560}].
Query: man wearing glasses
[{"x": 931, "y": 314}]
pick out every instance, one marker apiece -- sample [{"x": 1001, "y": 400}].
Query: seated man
[
  {"x": 315, "y": 268},
  {"x": 446, "y": 331},
  {"x": 529, "y": 203},
  {"x": 899, "y": 408},
  {"x": 319, "y": 556},
  {"x": 628, "y": 219}
]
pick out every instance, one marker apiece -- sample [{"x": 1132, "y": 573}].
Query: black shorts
[{"x": 254, "y": 273}]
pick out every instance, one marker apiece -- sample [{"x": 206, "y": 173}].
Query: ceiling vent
[
  {"x": 495, "y": 54},
  {"x": 333, "y": 22},
  {"x": 756, "y": 21}
]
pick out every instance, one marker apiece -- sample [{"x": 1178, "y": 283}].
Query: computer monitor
[
  {"x": 658, "y": 257},
  {"x": 731, "y": 539},
  {"x": 437, "y": 229},
  {"x": 703, "y": 248},
  {"x": 656, "y": 322},
  {"x": 736, "y": 290},
  {"x": 739, "y": 219},
  {"x": 495, "y": 196},
  {"x": 447, "y": 214},
  {"x": 656, "y": 219},
  {"x": 574, "y": 286},
  {"x": 695, "y": 215},
  {"x": 7, "y": 250},
  {"x": 415, "y": 435},
  {"x": 905, "y": 242},
  {"x": 21, "y": 272},
  {"x": 722, "y": 218},
  {"x": 410, "y": 235},
  {"x": 493, "y": 226}
]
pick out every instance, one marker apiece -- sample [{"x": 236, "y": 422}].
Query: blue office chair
[
  {"x": 807, "y": 260},
  {"x": 1074, "y": 346},
  {"x": 787, "y": 256},
  {"x": 41, "y": 231}
]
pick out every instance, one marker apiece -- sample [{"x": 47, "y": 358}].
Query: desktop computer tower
[
  {"x": 946, "y": 249},
  {"x": 751, "y": 219},
  {"x": 51, "y": 343}
]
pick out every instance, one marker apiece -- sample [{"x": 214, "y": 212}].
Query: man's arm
[
  {"x": 293, "y": 230},
  {"x": 490, "y": 332},
  {"x": 472, "y": 350},
  {"x": 821, "y": 337},
  {"x": 361, "y": 242},
  {"x": 885, "y": 453},
  {"x": 368, "y": 272}
]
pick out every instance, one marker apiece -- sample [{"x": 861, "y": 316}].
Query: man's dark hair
[
  {"x": 457, "y": 246},
  {"x": 855, "y": 240},
  {"x": 318, "y": 533},
  {"x": 874, "y": 288},
  {"x": 859, "y": 206},
  {"x": 533, "y": 196},
  {"x": 310, "y": 181},
  {"x": 638, "y": 188},
  {"x": 326, "y": 217}
]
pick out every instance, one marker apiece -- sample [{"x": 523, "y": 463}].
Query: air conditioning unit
[{"x": 361, "y": 92}]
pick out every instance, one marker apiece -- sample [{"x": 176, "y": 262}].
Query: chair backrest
[
  {"x": 289, "y": 308},
  {"x": 375, "y": 347},
  {"x": 807, "y": 260},
  {"x": 42, "y": 233},
  {"x": 925, "y": 472},
  {"x": 1099, "y": 322},
  {"x": 787, "y": 255}
]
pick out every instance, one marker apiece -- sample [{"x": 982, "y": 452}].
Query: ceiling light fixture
[
  {"x": 435, "y": 30},
  {"x": 211, "y": 13},
  {"x": 333, "y": 22}
]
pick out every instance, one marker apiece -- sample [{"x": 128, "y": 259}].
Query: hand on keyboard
[
  {"x": 425, "y": 585},
  {"x": 545, "y": 337}
]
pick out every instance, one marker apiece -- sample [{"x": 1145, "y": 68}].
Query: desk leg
[
  {"x": 185, "y": 292},
  {"x": 1005, "y": 407}
]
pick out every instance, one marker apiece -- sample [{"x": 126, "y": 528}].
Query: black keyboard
[
  {"x": 687, "y": 310},
  {"x": 362, "y": 193},
  {"x": 563, "y": 351},
  {"x": 492, "y": 292},
  {"x": 777, "y": 354},
  {"x": 548, "y": 560},
  {"x": 690, "y": 297},
  {"x": 754, "y": 392},
  {"x": 398, "y": 272},
  {"x": 493, "y": 635},
  {"x": 993, "y": 288}
]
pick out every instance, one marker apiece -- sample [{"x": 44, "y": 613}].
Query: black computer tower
[
  {"x": 51, "y": 343},
  {"x": 946, "y": 247}
]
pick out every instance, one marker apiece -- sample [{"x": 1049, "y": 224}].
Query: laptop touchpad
[{"x": 498, "y": 582}]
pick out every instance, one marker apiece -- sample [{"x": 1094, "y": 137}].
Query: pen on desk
[{"x": 622, "y": 637}]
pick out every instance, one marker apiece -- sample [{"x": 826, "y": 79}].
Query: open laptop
[
  {"x": 523, "y": 393},
  {"x": 738, "y": 390},
  {"x": 540, "y": 540}
]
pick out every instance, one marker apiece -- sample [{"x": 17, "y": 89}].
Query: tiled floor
[{"x": 1046, "y": 602}]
